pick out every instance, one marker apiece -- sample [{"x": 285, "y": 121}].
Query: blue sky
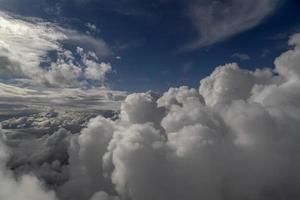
[{"x": 154, "y": 44}]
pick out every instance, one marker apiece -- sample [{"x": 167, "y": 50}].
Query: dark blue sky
[{"x": 148, "y": 35}]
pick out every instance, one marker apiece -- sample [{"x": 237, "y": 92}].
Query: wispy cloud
[
  {"x": 265, "y": 52},
  {"x": 241, "y": 56},
  {"x": 218, "y": 20},
  {"x": 187, "y": 67}
]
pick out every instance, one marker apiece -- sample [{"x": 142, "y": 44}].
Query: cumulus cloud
[
  {"x": 26, "y": 45},
  {"x": 86, "y": 152},
  {"x": 94, "y": 70},
  {"x": 26, "y": 187},
  {"x": 236, "y": 138},
  {"x": 133, "y": 104},
  {"x": 229, "y": 82},
  {"x": 218, "y": 20}
]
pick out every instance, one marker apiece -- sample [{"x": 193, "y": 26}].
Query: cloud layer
[
  {"x": 237, "y": 137},
  {"x": 63, "y": 98}
]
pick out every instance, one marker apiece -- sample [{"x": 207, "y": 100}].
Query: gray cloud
[
  {"x": 26, "y": 187},
  {"x": 240, "y": 56}
]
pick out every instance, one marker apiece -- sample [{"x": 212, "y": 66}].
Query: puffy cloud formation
[
  {"x": 27, "y": 46},
  {"x": 229, "y": 82},
  {"x": 93, "y": 70},
  {"x": 237, "y": 137},
  {"x": 86, "y": 152},
  {"x": 134, "y": 103},
  {"x": 218, "y": 20},
  {"x": 26, "y": 187}
]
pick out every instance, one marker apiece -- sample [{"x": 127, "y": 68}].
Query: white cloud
[
  {"x": 94, "y": 71},
  {"x": 237, "y": 139},
  {"x": 134, "y": 103},
  {"x": 178, "y": 96},
  {"x": 97, "y": 45},
  {"x": 25, "y": 46},
  {"x": 229, "y": 82},
  {"x": 91, "y": 26},
  {"x": 218, "y": 20},
  {"x": 285, "y": 89},
  {"x": 86, "y": 152}
]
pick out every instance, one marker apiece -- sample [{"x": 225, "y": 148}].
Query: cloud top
[{"x": 236, "y": 138}]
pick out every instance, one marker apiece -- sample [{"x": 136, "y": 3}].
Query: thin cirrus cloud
[
  {"x": 240, "y": 56},
  {"x": 25, "y": 46},
  {"x": 216, "y": 21}
]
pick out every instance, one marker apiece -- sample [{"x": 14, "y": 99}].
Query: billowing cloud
[
  {"x": 229, "y": 82},
  {"x": 218, "y": 20},
  {"x": 93, "y": 70},
  {"x": 34, "y": 49},
  {"x": 86, "y": 152},
  {"x": 237, "y": 137},
  {"x": 26, "y": 187}
]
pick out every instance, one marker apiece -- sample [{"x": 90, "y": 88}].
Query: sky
[{"x": 152, "y": 45}]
